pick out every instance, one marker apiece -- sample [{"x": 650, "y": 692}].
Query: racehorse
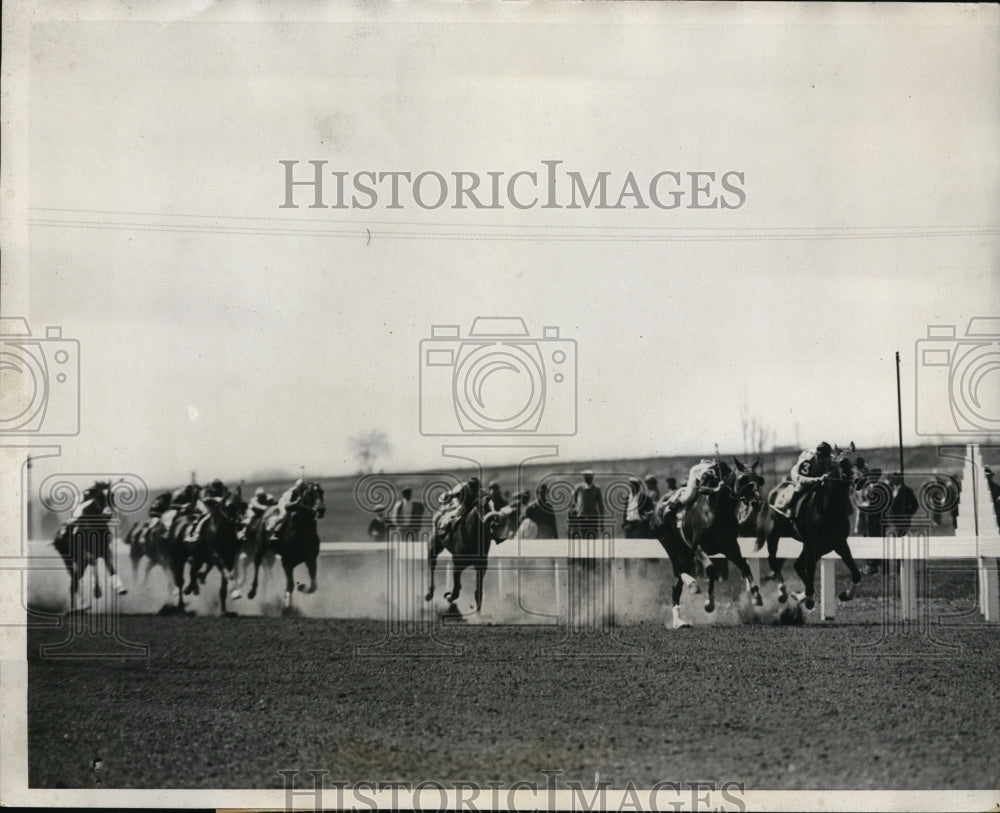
[
  {"x": 710, "y": 525},
  {"x": 822, "y": 524},
  {"x": 149, "y": 540},
  {"x": 87, "y": 538},
  {"x": 296, "y": 542},
  {"x": 469, "y": 545},
  {"x": 205, "y": 541}
]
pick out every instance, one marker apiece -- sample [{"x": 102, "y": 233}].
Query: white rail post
[
  {"x": 989, "y": 589},
  {"x": 828, "y": 587}
]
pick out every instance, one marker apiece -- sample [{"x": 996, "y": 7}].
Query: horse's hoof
[
  {"x": 252, "y": 594},
  {"x": 187, "y": 590},
  {"x": 447, "y": 597},
  {"x": 428, "y": 597},
  {"x": 694, "y": 588},
  {"x": 235, "y": 594},
  {"x": 709, "y": 606},
  {"x": 810, "y": 602},
  {"x": 757, "y": 600},
  {"x": 680, "y": 624},
  {"x": 845, "y": 596},
  {"x": 97, "y": 591},
  {"x": 782, "y": 595}
]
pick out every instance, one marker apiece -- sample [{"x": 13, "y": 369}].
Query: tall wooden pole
[{"x": 899, "y": 413}]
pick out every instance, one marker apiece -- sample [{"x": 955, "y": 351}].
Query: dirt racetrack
[{"x": 228, "y": 702}]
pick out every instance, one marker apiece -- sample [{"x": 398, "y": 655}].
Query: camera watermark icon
[
  {"x": 498, "y": 380},
  {"x": 958, "y": 380},
  {"x": 39, "y": 381}
]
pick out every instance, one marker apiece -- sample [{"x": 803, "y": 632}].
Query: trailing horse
[
  {"x": 822, "y": 524},
  {"x": 149, "y": 540},
  {"x": 711, "y": 525},
  {"x": 469, "y": 544},
  {"x": 85, "y": 539}
]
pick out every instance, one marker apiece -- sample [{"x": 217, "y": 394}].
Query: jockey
[
  {"x": 811, "y": 467},
  {"x": 212, "y": 496},
  {"x": 260, "y": 502},
  {"x": 185, "y": 498},
  {"x": 89, "y": 497},
  {"x": 463, "y": 498},
  {"x": 701, "y": 474},
  {"x": 286, "y": 501}
]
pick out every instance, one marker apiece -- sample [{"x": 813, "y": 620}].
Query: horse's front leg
[
  {"x": 456, "y": 581},
  {"x": 177, "y": 567},
  {"x": 289, "y": 582},
  {"x": 75, "y": 603},
  {"x": 805, "y": 567},
  {"x": 737, "y": 558},
  {"x": 432, "y": 557},
  {"x": 480, "y": 575},
  {"x": 776, "y": 564},
  {"x": 116, "y": 582},
  {"x": 256, "y": 575},
  {"x": 223, "y": 590},
  {"x": 192, "y": 587},
  {"x": 710, "y": 603},
  {"x": 843, "y": 550},
  {"x": 311, "y": 567},
  {"x": 675, "y": 596}
]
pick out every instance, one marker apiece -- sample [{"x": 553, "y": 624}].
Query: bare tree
[{"x": 369, "y": 447}]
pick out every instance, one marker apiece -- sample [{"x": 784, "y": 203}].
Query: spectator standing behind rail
[
  {"x": 669, "y": 487},
  {"x": 407, "y": 513},
  {"x": 652, "y": 488},
  {"x": 540, "y": 512},
  {"x": 586, "y": 514},
  {"x": 494, "y": 500},
  {"x": 638, "y": 510}
]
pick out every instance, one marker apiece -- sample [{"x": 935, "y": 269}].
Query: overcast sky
[{"x": 224, "y": 334}]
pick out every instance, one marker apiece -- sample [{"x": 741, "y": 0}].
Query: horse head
[
  {"x": 746, "y": 484},
  {"x": 99, "y": 498},
  {"x": 312, "y": 498},
  {"x": 235, "y": 506}
]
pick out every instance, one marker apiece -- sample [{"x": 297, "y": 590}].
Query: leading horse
[
  {"x": 712, "y": 525},
  {"x": 822, "y": 524},
  {"x": 85, "y": 539}
]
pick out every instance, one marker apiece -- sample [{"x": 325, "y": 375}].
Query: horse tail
[{"x": 761, "y": 529}]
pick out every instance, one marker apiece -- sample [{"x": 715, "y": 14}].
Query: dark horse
[
  {"x": 150, "y": 540},
  {"x": 296, "y": 542},
  {"x": 85, "y": 539},
  {"x": 469, "y": 545},
  {"x": 205, "y": 542},
  {"x": 822, "y": 524},
  {"x": 712, "y": 525}
]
